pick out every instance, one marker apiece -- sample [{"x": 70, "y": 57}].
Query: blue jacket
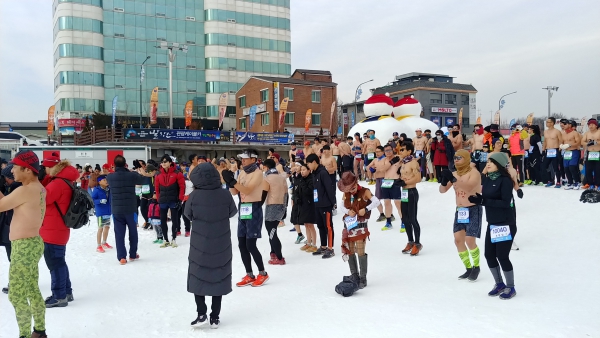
[
  {"x": 100, "y": 194},
  {"x": 122, "y": 188}
]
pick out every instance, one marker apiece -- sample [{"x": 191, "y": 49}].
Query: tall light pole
[
  {"x": 501, "y": 105},
  {"x": 550, "y": 89},
  {"x": 164, "y": 46},
  {"x": 356, "y": 97},
  {"x": 142, "y": 80}
]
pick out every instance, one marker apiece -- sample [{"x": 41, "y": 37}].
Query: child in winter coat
[
  {"x": 101, "y": 197},
  {"x": 154, "y": 219}
]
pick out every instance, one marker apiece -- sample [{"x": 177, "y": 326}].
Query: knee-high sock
[
  {"x": 475, "y": 255},
  {"x": 464, "y": 257}
]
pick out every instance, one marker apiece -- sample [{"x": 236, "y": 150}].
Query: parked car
[{"x": 14, "y": 136}]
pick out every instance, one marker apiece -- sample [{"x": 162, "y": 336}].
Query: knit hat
[
  {"x": 100, "y": 178},
  {"x": 347, "y": 182},
  {"x": 592, "y": 121},
  {"x": 150, "y": 167},
  {"x": 500, "y": 158},
  {"x": 51, "y": 160},
  {"x": 7, "y": 172},
  {"x": 27, "y": 159}
]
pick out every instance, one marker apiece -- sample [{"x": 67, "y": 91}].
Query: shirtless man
[
  {"x": 330, "y": 164},
  {"x": 316, "y": 148},
  {"x": 369, "y": 147},
  {"x": 572, "y": 153},
  {"x": 335, "y": 151},
  {"x": 307, "y": 149},
  {"x": 476, "y": 144},
  {"x": 552, "y": 140},
  {"x": 378, "y": 168},
  {"x": 250, "y": 216},
  {"x": 346, "y": 158},
  {"x": 409, "y": 177},
  {"x": 357, "y": 152},
  {"x": 390, "y": 187},
  {"x": 420, "y": 143},
  {"x": 467, "y": 218},
  {"x": 591, "y": 144},
  {"x": 29, "y": 205},
  {"x": 455, "y": 137}
]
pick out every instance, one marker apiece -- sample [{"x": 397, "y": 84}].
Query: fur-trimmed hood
[{"x": 65, "y": 170}]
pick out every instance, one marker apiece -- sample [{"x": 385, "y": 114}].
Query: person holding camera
[{"x": 169, "y": 189}]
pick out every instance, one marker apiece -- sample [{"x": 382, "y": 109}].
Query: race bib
[
  {"x": 138, "y": 190},
  {"x": 351, "y": 222},
  {"x": 526, "y": 154},
  {"x": 105, "y": 217},
  {"x": 531, "y": 149},
  {"x": 500, "y": 233},
  {"x": 462, "y": 215},
  {"x": 387, "y": 183},
  {"x": 568, "y": 155},
  {"x": 224, "y": 185},
  {"x": 315, "y": 195},
  {"x": 483, "y": 157},
  {"x": 551, "y": 153},
  {"x": 155, "y": 221},
  {"x": 419, "y": 153},
  {"x": 371, "y": 156},
  {"x": 404, "y": 196},
  {"x": 594, "y": 156},
  {"x": 336, "y": 157},
  {"x": 358, "y": 156},
  {"x": 145, "y": 189},
  {"x": 246, "y": 211}
]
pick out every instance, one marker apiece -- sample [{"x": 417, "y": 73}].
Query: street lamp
[
  {"x": 164, "y": 46},
  {"x": 550, "y": 89},
  {"x": 501, "y": 105},
  {"x": 356, "y": 95},
  {"x": 142, "y": 72}
]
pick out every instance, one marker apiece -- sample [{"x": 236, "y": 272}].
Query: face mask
[
  {"x": 479, "y": 131},
  {"x": 428, "y": 136},
  {"x": 439, "y": 137},
  {"x": 372, "y": 137}
]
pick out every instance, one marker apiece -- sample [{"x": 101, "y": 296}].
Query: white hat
[{"x": 248, "y": 153}]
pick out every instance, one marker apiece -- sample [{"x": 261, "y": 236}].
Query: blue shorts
[
  {"x": 576, "y": 154},
  {"x": 393, "y": 193},
  {"x": 251, "y": 228}
]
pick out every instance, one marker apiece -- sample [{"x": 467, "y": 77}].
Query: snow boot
[
  {"x": 5, "y": 290},
  {"x": 38, "y": 334},
  {"x": 352, "y": 263},
  {"x": 362, "y": 260}
]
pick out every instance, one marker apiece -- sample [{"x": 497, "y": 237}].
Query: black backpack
[{"x": 80, "y": 207}]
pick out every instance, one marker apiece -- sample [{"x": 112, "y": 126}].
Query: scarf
[
  {"x": 407, "y": 159},
  {"x": 465, "y": 167},
  {"x": 272, "y": 171},
  {"x": 249, "y": 169},
  {"x": 494, "y": 175}
]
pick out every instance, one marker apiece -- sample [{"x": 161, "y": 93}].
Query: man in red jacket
[
  {"x": 170, "y": 189},
  {"x": 55, "y": 233}
]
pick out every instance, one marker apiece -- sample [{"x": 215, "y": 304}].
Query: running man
[
  {"x": 29, "y": 205},
  {"x": 552, "y": 140},
  {"x": 468, "y": 216},
  {"x": 571, "y": 146},
  {"x": 409, "y": 177}
]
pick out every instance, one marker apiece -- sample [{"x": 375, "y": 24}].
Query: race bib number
[
  {"x": 371, "y": 156},
  {"x": 145, "y": 189},
  {"x": 551, "y": 153},
  {"x": 568, "y": 155},
  {"x": 138, "y": 190},
  {"x": 315, "y": 195},
  {"x": 594, "y": 156},
  {"x": 387, "y": 183},
  {"x": 358, "y": 156},
  {"x": 462, "y": 215},
  {"x": 155, "y": 221},
  {"x": 483, "y": 157},
  {"x": 105, "y": 217},
  {"x": 419, "y": 153},
  {"x": 351, "y": 222},
  {"x": 500, "y": 233},
  {"x": 224, "y": 186},
  {"x": 246, "y": 211},
  {"x": 526, "y": 154},
  {"x": 531, "y": 149},
  {"x": 404, "y": 196}
]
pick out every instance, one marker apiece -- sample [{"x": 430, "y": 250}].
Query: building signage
[
  {"x": 472, "y": 108},
  {"x": 259, "y": 109},
  {"x": 444, "y": 110},
  {"x": 276, "y": 96},
  {"x": 345, "y": 119},
  {"x": 176, "y": 135},
  {"x": 268, "y": 138},
  {"x": 311, "y": 131},
  {"x": 84, "y": 154}
]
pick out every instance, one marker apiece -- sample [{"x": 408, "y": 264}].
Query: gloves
[
  {"x": 444, "y": 181},
  {"x": 178, "y": 205},
  {"x": 591, "y": 143},
  {"x": 447, "y": 174},
  {"x": 394, "y": 160},
  {"x": 371, "y": 169},
  {"x": 401, "y": 182},
  {"x": 520, "y": 193},
  {"x": 565, "y": 146},
  {"x": 103, "y": 201},
  {"x": 476, "y": 199},
  {"x": 228, "y": 178}
]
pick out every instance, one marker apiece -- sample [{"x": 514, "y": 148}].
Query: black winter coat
[
  {"x": 497, "y": 196},
  {"x": 209, "y": 207},
  {"x": 122, "y": 189},
  {"x": 325, "y": 188},
  {"x": 306, "y": 205}
]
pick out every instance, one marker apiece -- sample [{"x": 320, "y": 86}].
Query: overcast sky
[{"x": 498, "y": 47}]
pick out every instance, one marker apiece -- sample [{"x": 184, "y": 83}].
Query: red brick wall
[{"x": 312, "y": 77}]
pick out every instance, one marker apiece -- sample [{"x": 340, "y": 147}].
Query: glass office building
[{"x": 99, "y": 46}]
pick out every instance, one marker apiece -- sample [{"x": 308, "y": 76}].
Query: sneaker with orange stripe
[
  {"x": 260, "y": 280},
  {"x": 247, "y": 280}
]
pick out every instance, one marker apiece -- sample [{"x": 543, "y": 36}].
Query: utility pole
[
  {"x": 142, "y": 80},
  {"x": 550, "y": 89},
  {"x": 164, "y": 46}
]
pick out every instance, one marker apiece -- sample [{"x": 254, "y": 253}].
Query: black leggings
[
  {"x": 215, "y": 306},
  {"x": 438, "y": 171},
  {"x": 535, "y": 172},
  {"x": 175, "y": 218},
  {"x": 248, "y": 250},
  {"x": 592, "y": 168},
  {"x": 551, "y": 163},
  {"x": 498, "y": 252},
  {"x": 518, "y": 164},
  {"x": 273, "y": 239},
  {"x": 409, "y": 216},
  {"x": 144, "y": 205},
  {"x": 8, "y": 248},
  {"x": 186, "y": 221}
]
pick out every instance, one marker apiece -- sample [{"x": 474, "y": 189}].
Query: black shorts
[
  {"x": 252, "y": 227},
  {"x": 366, "y": 157},
  {"x": 473, "y": 227},
  {"x": 393, "y": 193}
]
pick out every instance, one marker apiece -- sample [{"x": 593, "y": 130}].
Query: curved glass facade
[
  {"x": 247, "y": 18},
  {"x": 78, "y": 24},
  {"x": 247, "y": 42},
  {"x": 68, "y": 50},
  {"x": 220, "y": 87},
  {"x": 280, "y": 3},
  {"x": 76, "y": 105},
  {"x": 80, "y": 78},
  {"x": 248, "y": 66}
]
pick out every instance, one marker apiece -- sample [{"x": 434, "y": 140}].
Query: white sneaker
[
  {"x": 576, "y": 186},
  {"x": 568, "y": 187},
  {"x": 174, "y": 244}
]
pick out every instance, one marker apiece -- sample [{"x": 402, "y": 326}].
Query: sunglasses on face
[
  {"x": 458, "y": 158},
  {"x": 388, "y": 150}
]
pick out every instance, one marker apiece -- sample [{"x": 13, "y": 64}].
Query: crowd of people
[{"x": 483, "y": 170}]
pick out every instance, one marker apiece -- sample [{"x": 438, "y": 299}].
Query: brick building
[{"x": 306, "y": 89}]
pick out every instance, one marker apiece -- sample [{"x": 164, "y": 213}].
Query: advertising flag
[
  {"x": 222, "y": 107},
  {"x": 252, "y": 116},
  {"x": 308, "y": 120},
  {"x": 189, "y": 108},
  {"x": 142, "y": 74},
  {"x": 530, "y": 118},
  {"x": 276, "y": 96},
  {"x": 154, "y": 106},
  {"x": 331, "y": 116},
  {"x": 283, "y": 111},
  {"x": 478, "y": 120},
  {"x": 460, "y": 115},
  {"x": 284, "y": 103},
  {"x": 114, "y": 110},
  {"x": 50, "y": 120},
  {"x": 497, "y": 118}
]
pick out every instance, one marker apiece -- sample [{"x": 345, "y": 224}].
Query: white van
[{"x": 14, "y": 136}]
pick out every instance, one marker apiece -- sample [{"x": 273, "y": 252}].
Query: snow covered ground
[{"x": 556, "y": 273}]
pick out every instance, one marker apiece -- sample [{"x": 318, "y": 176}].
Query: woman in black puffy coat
[{"x": 306, "y": 208}]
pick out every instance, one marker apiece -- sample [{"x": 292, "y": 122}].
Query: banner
[
  {"x": 50, "y": 120},
  {"x": 114, "y": 110},
  {"x": 497, "y": 118},
  {"x": 460, "y": 115},
  {"x": 352, "y": 119},
  {"x": 276, "y": 96},
  {"x": 153, "y": 105},
  {"x": 268, "y": 138},
  {"x": 308, "y": 119},
  {"x": 530, "y": 119},
  {"x": 70, "y": 126},
  {"x": 583, "y": 127},
  {"x": 510, "y": 124},
  {"x": 472, "y": 107},
  {"x": 252, "y": 116},
  {"x": 478, "y": 120},
  {"x": 175, "y": 135},
  {"x": 189, "y": 108},
  {"x": 283, "y": 111},
  {"x": 331, "y": 116},
  {"x": 222, "y": 107}
]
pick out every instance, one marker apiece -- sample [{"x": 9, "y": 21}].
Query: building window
[
  {"x": 243, "y": 123},
  {"x": 264, "y": 119},
  {"x": 289, "y": 93},
  {"x": 264, "y": 95},
  {"x": 435, "y": 98},
  {"x": 316, "y": 96},
  {"x": 289, "y": 118},
  {"x": 464, "y": 100},
  {"x": 450, "y": 98},
  {"x": 242, "y": 101},
  {"x": 316, "y": 119}
]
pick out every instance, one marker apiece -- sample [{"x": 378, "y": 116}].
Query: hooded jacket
[
  {"x": 123, "y": 200},
  {"x": 170, "y": 185},
  {"x": 58, "y": 194},
  {"x": 209, "y": 207}
]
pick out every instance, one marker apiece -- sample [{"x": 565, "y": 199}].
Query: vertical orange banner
[
  {"x": 222, "y": 107},
  {"x": 50, "y": 120},
  {"x": 154, "y": 105},
  {"x": 189, "y": 107},
  {"x": 282, "y": 111},
  {"x": 460, "y": 115},
  {"x": 331, "y": 116},
  {"x": 308, "y": 120}
]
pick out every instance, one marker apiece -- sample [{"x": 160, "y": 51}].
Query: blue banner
[
  {"x": 252, "y": 116},
  {"x": 268, "y": 138},
  {"x": 114, "y": 110},
  {"x": 352, "y": 118},
  {"x": 175, "y": 135},
  {"x": 510, "y": 124}
]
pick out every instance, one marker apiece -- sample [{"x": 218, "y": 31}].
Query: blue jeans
[
  {"x": 122, "y": 223},
  {"x": 54, "y": 255}
]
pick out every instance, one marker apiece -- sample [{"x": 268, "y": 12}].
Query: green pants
[{"x": 23, "y": 277}]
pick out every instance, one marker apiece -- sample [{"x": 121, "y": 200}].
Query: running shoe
[
  {"x": 123, "y": 261},
  {"x": 278, "y": 261},
  {"x": 247, "y": 280},
  {"x": 260, "y": 280},
  {"x": 70, "y": 297},
  {"x": 402, "y": 229},
  {"x": 587, "y": 186},
  {"x": 305, "y": 247},
  {"x": 107, "y": 246},
  {"x": 408, "y": 247},
  {"x": 312, "y": 249},
  {"x": 498, "y": 288},
  {"x": 178, "y": 233},
  {"x": 281, "y": 224},
  {"x": 272, "y": 258},
  {"x": 381, "y": 218},
  {"x": 393, "y": 218},
  {"x": 508, "y": 293},
  {"x": 334, "y": 212},
  {"x": 328, "y": 253},
  {"x": 188, "y": 234},
  {"x": 319, "y": 252},
  {"x": 558, "y": 186},
  {"x": 174, "y": 244},
  {"x": 466, "y": 274},
  {"x": 292, "y": 229},
  {"x": 549, "y": 184},
  {"x": 568, "y": 187},
  {"x": 474, "y": 274},
  {"x": 435, "y": 180},
  {"x": 299, "y": 239},
  {"x": 165, "y": 244},
  {"x": 200, "y": 321},
  {"x": 541, "y": 184},
  {"x": 100, "y": 249},
  {"x": 134, "y": 259},
  {"x": 157, "y": 241},
  {"x": 54, "y": 302},
  {"x": 387, "y": 226},
  {"x": 372, "y": 182},
  {"x": 214, "y": 323},
  {"x": 576, "y": 186},
  {"x": 430, "y": 180},
  {"x": 416, "y": 249}
]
